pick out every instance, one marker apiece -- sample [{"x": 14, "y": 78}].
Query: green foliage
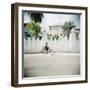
[
  {"x": 34, "y": 28},
  {"x": 53, "y": 37},
  {"x": 57, "y": 37},
  {"x": 68, "y": 25},
  {"x": 49, "y": 36},
  {"x": 36, "y": 17}
]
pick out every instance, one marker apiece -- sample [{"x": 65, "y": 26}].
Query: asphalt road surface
[{"x": 52, "y": 64}]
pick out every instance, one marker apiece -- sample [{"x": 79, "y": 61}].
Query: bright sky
[{"x": 54, "y": 19}]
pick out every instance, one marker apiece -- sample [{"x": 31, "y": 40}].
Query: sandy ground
[{"x": 51, "y": 64}]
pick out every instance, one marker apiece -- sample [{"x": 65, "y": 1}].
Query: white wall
[
  {"x": 61, "y": 45},
  {"x": 5, "y": 45}
]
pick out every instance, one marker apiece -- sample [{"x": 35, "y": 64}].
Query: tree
[
  {"x": 49, "y": 36},
  {"x": 27, "y": 34},
  {"x": 34, "y": 28},
  {"x": 68, "y": 25},
  {"x": 36, "y": 17},
  {"x": 56, "y": 36}
]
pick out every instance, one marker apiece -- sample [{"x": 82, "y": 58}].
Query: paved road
[{"x": 51, "y": 64}]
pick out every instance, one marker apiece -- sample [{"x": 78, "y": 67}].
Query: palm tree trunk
[{"x": 68, "y": 34}]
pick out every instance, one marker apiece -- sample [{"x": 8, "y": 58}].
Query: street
[{"x": 52, "y": 64}]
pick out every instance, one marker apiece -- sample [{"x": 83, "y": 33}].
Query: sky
[{"x": 55, "y": 19}]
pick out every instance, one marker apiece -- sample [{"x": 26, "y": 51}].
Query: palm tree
[
  {"x": 68, "y": 25},
  {"x": 34, "y": 28},
  {"x": 36, "y": 17}
]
